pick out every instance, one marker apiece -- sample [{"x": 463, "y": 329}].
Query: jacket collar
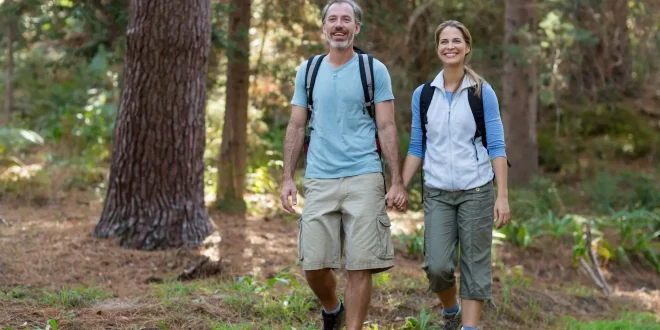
[{"x": 439, "y": 82}]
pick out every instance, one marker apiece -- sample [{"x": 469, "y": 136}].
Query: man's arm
[
  {"x": 293, "y": 142},
  {"x": 389, "y": 142}
]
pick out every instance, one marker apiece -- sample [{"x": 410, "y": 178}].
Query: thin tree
[
  {"x": 519, "y": 83},
  {"x": 155, "y": 197},
  {"x": 604, "y": 61},
  {"x": 10, "y": 20},
  {"x": 231, "y": 172}
]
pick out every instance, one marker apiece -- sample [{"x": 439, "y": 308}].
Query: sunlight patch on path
[
  {"x": 405, "y": 223},
  {"x": 115, "y": 304}
]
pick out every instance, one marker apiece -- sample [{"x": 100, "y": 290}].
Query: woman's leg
[
  {"x": 440, "y": 245},
  {"x": 475, "y": 233}
]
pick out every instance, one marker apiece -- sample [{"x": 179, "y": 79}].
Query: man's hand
[
  {"x": 289, "y": 189},
  {"x": 398, "y": 197},
  {"x": 501, "y": 212}
]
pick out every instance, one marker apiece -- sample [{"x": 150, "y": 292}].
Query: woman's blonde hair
[{"x": 468, "y": 41}]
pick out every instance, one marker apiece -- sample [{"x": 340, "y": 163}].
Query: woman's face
[{"x": 452, "y": 48}]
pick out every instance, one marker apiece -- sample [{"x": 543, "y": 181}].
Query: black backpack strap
[
  {"x": 477, "y": 106},
  {"x": 367, "y": 77},
  {"x": 313, "y": 65},
  {"x": 424, "y": 103},
  {"x": 366, "y": 63}
]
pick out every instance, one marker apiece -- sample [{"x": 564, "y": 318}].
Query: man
[{"x": 344, "y": 186}]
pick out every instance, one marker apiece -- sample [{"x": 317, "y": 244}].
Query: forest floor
[{"x": 54, "y": 275}]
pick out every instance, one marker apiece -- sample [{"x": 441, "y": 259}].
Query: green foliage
[
  {"x": 15, "y": 140},
  {"x": 627, "y": 321},
  {"x": 414, "y": 242},
  {"x": 268, "y": 303},
  {"x": 636, "y": 231},
  {"x": 541, "y": 196},
  {"x": 421, "y": 323},
  {"x": 591, "y": 135},
  {"x": 77, "y": 297},
  {"x": 621, "y": 207},
  {"x": 17, "y": 292},
  {"x": 173, "y": 289},
  {"x": 625, "y": 189}
]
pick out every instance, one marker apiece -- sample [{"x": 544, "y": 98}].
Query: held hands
[
  {"x": 289, "y": 189},
  {"x": 501, "y": 212},
  {"x": 397, "y": 196}
]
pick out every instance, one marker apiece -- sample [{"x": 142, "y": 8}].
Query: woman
[{"x": 459, "y": 198}]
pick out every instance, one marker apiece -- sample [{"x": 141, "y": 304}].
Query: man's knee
[
  {"x": 359, "y": 275},
  {"x": 317, "y": 275}
]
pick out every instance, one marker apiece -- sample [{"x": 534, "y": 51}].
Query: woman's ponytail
[{"x": 476, "y": 78}]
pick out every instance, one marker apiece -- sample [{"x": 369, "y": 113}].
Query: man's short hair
[{"x": 356, "y": 9}]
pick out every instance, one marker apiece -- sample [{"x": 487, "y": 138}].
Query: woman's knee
[{"x": 441, "y": 271}]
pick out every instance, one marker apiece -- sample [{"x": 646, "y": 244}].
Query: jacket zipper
[
  {"x": 451, "y": 144},
  {"x": 476, "y": 153}
]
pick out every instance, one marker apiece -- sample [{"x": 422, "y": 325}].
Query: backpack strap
[
  {"x": 367, "y": 77},
  {"x": 366, "y": 63},
  {"x": 313, "y": 65},
  {"x": 477, "y": 107},
  {"x": 424, "y": 103}
]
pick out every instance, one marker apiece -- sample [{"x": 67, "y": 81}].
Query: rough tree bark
[
  {"x": 231, "y": 171},
  {"x": 519, "y": 99},
  {"x": 155, "y": 197},
  {"x": 9, "y": 91},
  {"x": 606, "y": 64}
]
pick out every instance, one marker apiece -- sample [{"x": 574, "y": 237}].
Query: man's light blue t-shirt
[{"x": 343, "y": 137}]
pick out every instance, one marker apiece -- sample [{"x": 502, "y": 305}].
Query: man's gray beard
[{"x": 341, "y": 45}]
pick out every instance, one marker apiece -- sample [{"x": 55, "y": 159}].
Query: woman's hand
[{"x": 501, "y": 212}]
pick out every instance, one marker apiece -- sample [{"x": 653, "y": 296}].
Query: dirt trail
[{"x": 50, "y": 246}]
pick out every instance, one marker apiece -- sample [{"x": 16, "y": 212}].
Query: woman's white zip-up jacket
[{"x": 453, "y": 159}]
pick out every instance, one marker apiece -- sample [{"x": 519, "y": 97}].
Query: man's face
[{"x": 340, "y": 27}]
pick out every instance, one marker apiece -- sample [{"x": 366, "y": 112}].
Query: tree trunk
[
  {"x": 9, "y": 92},
  {"x": 519, "y": 110},
  {"x": 231, "y": 172},
  {"x": 155, "y": 196},
  {"x": 605, "y": 62}
]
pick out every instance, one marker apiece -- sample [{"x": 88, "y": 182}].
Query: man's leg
[
  {"x": 319, "y": 240},
  {"x": 323, "y": 284},
  {"x": 369, "y": 246},
  {"x": 358, "y": 296}
]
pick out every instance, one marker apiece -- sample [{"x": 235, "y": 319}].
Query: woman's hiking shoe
[
  {"x": 452, "y": 321},
  {"x": 334, "y": 321}
]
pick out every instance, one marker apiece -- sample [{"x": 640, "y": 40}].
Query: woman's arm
[
  {"x": 411, "y": 165},
  {"x": 415, "y": 155},
  {"x": 497, "y": 151},
  {"x": 494, "y": 129}
]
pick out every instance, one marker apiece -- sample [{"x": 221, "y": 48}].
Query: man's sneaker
[
  {"x": 452, "y": 321},
  {"x": 334, "y": 321}
]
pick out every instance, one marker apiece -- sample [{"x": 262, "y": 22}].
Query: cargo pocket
[
  {"x": 386, "y": 251},
  {"x": 300, "y": 247}
]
